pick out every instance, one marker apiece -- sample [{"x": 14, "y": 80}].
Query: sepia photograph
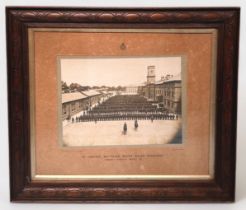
[
  {"x": 122, "y": 105},
  {"x": 121, "y": 100}
]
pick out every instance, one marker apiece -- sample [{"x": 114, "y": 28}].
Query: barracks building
[
  {"x": 76, "y": 102},
  {"x": 166, "y": 91}
]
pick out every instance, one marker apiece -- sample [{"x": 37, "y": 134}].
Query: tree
[{"x": 64, "y": 87}]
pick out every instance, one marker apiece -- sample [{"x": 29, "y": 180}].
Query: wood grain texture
[{"x": 220, "y": 189}]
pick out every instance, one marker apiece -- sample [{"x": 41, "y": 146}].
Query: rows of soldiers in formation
[
  {"x": 125, "y": 107},
  {"x": 125, "y": 103},
  {"x": 125, "y": 116},
  {"x": 138, "y": 105},
  {"x": 126, "y": 99}
]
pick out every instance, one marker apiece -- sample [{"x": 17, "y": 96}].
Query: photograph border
[
  {"x": 219, "y": 189},
  {"x": 183, "y": 95}
]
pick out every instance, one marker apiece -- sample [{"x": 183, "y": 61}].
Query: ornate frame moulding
[{"x": 37, "y": 177}]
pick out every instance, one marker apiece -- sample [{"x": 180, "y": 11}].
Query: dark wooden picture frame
[{"x": 220, "y": 189}]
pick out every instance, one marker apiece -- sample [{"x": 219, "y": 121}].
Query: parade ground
[{"x": 105, "y": 133}]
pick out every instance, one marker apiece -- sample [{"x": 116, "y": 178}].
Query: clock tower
[{"x": 151, "y": 75}]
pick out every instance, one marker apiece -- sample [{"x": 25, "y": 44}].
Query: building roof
[
  {"x": 102, "y": 91},
  {"x": 171, "y": 79},
  {"x": 174, "y": 78},
  {"x": 66, "y": 97},
  {"x": 91, "y": 92},
  {"x": 159, "y": 82},
  {"x": 105, "y": 92}
]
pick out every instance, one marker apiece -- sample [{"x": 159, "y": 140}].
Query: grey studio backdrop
[{"x": 241, "y": 127}]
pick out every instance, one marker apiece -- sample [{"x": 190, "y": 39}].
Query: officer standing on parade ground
[
  {"x": 136, "y": 124},
  {"x": 125, "y": 128}
]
